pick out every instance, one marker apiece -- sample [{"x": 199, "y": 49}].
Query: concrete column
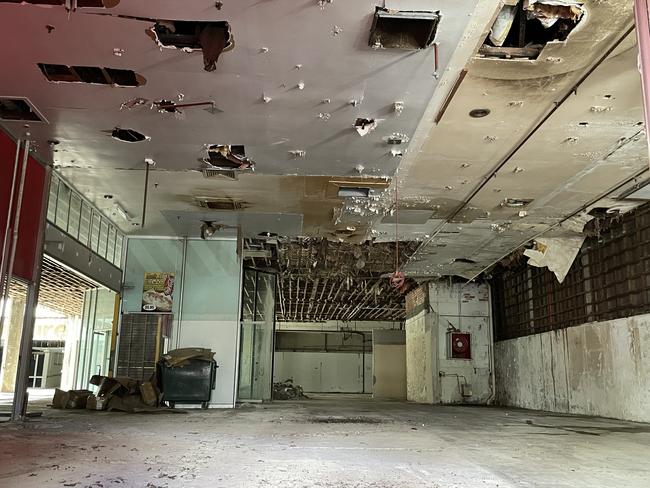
[{"x": 12, "y": 346}]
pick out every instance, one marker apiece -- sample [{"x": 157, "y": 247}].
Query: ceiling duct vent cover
[
  {"x": 398, "y": 29},
  {"x": 220, "y": 173},
  {"x": 219, "y": 203},
  {"x": 19, "y": 109}
]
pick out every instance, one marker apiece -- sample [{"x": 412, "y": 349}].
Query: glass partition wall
[{"x": 257, "y": 336}]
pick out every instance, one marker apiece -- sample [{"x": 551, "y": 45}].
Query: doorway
[{"x": 257, "y": 336}]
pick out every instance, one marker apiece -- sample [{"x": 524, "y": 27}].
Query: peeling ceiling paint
[{"x": 290, "y": 91}]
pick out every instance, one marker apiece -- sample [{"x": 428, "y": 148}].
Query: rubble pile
[{"x": 286, "y": 390}]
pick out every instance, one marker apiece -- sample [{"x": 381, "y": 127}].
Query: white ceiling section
[{"x": 454, "y": 174}]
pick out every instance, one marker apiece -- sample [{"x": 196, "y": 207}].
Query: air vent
[
  {"x": 403, "y": 29},
  {"x": 220, "y": 173},
  {"x": 18, "y": 109},
  {"x": 94, "y": 75},
  {"x": 72, "y": 3},
  {"x": 353, "y": 191},
  {"x": 219, "y": 203}
]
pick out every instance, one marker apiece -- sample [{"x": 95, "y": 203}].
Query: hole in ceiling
[
  {"x": 128, "y": 135},
  {"x": 516, "y": 202},
  {"x": 583, "y": 124},
  {"x": 212, "y": 38},
  {"x": 18, "y": 109},
  {"x": 403, "y": 29},
  {"x": 60, "y": 73},
  {"x": 166, "y": 106},
  {"x": 364, "y": 126},
  {"x": 230, "y": 157},
  {"x": 464, "y": 260},
  {"x": 353, "y": 191},
  {"x": 522, "y": 31},
  {"x": 478, "y": 113}
]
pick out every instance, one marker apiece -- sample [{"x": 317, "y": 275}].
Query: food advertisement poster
[{"x": 158, "y": 291}]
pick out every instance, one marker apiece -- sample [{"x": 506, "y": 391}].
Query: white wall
[
  {"x": 389, "y": 364},
  {"x": 466, "y": 308},
  {"x": 600, "y": 369},
  {"x": 221, "y": 337},
  {"x": 421, "y": 359},
  {"x": 325, "y": 372}
]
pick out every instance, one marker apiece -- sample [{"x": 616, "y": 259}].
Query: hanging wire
[{"x": 396, "y": 226}]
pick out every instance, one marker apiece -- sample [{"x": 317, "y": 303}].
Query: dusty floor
[{"x": 347, "y": 442}]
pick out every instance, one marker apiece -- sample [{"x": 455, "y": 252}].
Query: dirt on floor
[{"x": 336, "y": 442}]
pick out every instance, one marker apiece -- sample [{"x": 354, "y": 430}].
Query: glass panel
[
  {"x": 84, "y": 225},
  {"x": 211, "y": 289},
  {"x": 94, "y": 231},
  {"x": 117, "y": 260},
  {"x": 75, "y": 214},
  {"x": 150, "y": 255},
  {"x": 103, "y": 238},
  {"x": 256, "y": 352},
  {"x": 97, "y": 325},
  {"x": 51, "y": 204},
  {"x": 62, "y": 206},
  {"x": 110, "y": 250}
]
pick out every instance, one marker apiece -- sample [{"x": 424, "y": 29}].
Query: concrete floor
[{"x": 327, "y": 442}]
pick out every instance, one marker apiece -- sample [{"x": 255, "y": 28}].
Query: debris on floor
[
  {"x": 123, "y": 394},
  {"x": 70, "y": 399},
  {"x": 286, "y": 390}
]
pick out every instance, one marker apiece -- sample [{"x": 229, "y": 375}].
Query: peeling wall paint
[
  {"x": 600, "y": 369},
  {"x": 432, "y": 375}
]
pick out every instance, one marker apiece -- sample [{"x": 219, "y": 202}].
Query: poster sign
[{"x": 158, "y": 291}]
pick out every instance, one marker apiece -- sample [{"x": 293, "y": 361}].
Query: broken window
[
  {"x": 521, "y": 30},
  {"x": 60, "y": 73},
  {"x": 210, "y": 37},
  {"x": 223, "y": 156},
  {"x": 403, "y": 29},
  {"x": 17, "y": 109}
]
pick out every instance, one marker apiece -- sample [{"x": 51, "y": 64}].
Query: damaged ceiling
[
  {"x": 485, "y": 138},
  {"x": 321, "y": 280}
]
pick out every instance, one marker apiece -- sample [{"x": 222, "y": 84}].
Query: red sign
[{"x": 34, "y": 194}]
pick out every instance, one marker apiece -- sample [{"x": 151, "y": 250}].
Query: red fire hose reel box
[{"x": 460, "y": 345}]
